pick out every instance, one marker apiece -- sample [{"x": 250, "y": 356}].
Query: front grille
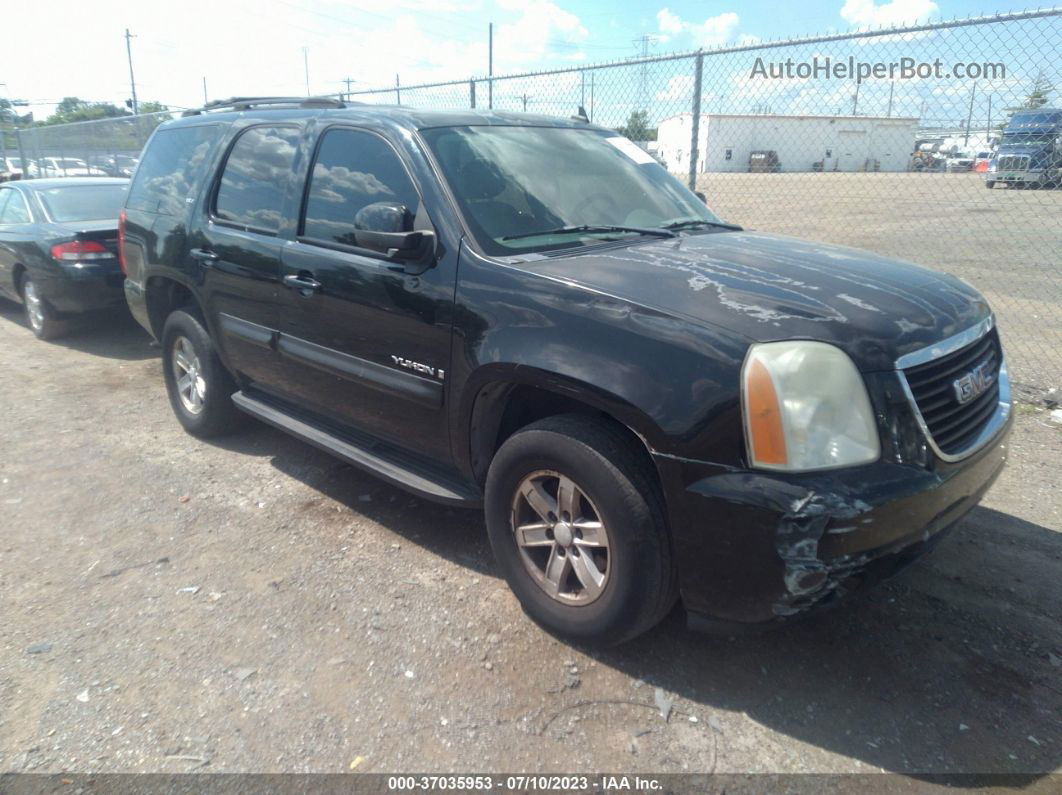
[
  {"x": 1013, "y": 163},
  {"x": 955, "y": 426}
]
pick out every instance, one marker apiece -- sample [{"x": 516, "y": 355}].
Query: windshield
[
  {"x": 83, "y": 202},
  {"x": 1025, "y": 138},
  {"x": 512, "y": 182}
]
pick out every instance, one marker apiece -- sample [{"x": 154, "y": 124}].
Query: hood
[{"x": 768, "y": 287}]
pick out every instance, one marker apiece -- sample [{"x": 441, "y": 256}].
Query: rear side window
[
  {"x": 170, "y": 168},
  {"x": 353, "y": 169},
  {"x": 256, "y": 177},
  {"x": 15, "y": 211}
]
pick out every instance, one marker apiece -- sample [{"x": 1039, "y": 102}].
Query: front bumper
[
  {"x": 753, "y": 548},
  {"x": 1035, "y": 175}
]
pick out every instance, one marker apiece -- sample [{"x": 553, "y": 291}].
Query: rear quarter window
[{"x": 170, "y": 169}]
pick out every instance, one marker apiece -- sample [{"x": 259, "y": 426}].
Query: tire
[
  {"x": 203, "y": 405},
  {"x": 41, "y": 318},
  {"x": 990, "y": 183},
  {"x": 616, "y": 486}
]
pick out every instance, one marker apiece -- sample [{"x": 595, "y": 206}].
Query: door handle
[
  {"x": 303, "y": 283},
  {"x": 204, "y": 256}
]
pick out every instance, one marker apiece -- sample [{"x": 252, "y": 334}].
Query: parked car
[
  {"x": 530, "y": 314},
  {"x": 960, "y": 161},
  {"x": 58, "y": 248},
  {"x": 12, "y": 167},
  {"x": 115, "y": 165},
  {"x": 68, "y": 167}
]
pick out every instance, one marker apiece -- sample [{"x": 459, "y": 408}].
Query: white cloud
[
  {"x": 868, "y": 14},
  {"x": 712, "y": 32},
  {"x": 250, "y": 49},
  {"x": 668, "y": 22}
]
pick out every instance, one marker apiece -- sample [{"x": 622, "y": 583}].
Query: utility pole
[
  {"x": 892, "y": 87},
  {"x": 132, "y": 81},
  {"x": 988, "y": 127},
  {"x": 306, "y": 67},
  {"x": 525, "y": 98},
  {"x": 969, "y": 114},
  {"x": 205, "y": 100},
  {"x": 490, "y": 66},
  {"x": 348, "y": 81},
  {"x": 398, "y": 91},
  {"x": 855, "y": 99}
]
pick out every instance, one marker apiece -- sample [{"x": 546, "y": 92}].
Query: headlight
[{"x": 806, "y": 407}]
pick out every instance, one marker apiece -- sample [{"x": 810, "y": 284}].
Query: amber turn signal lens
[{"x": 763, "y": 416}]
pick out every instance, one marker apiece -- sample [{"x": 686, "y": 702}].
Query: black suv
[{"x": 531, "y": 314}]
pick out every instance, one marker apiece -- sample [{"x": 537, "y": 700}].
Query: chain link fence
[
  {"x": 934, "y": 143},
  {"x": 103, "y": 147}
]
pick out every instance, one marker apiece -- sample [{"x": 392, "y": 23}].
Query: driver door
[{"x": 363, "y": 342}]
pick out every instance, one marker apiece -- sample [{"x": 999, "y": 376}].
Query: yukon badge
[
  {"x": 417, "y": 367},
  {"x": 974, "y": 383}
]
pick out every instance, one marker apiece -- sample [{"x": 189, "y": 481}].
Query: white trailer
[{"x": 840, "y": 143}]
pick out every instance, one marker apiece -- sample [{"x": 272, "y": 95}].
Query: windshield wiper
[
  {"x": 692, "y": 223},
  {"x": 570, "y": 230}
]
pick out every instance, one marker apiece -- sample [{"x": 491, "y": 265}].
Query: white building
[{"x": 842, "y": 143}]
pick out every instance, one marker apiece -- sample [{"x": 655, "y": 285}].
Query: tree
[
  {"x": 152, "y": 107},
  {"x": 73, "y": 109},
  {"x": 637, "y": 127},
  {"x": 1039, "y": 93}
]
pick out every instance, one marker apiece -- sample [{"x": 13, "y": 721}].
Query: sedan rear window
[{"x": 83, "y": 202}]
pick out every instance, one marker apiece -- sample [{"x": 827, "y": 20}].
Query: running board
[{"x": 390, "y": 465}]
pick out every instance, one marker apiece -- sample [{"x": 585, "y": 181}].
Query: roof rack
[{"x": 247, "y": 103}]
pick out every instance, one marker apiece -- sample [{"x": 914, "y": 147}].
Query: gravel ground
[
  {"x": 254, "y": 605},
  {"x": 1005, "y": 242}
]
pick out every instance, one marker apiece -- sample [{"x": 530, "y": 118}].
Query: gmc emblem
[{"x": 974, "y": 383}]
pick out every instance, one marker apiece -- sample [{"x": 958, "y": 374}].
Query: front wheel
[
  {"x": 199, "y": 387},
  {"x": 576, "y": 522},
  {"x": 990, "y": 183}
]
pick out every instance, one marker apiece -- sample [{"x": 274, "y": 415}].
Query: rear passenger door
[
  {"x": 16, "y": 233},
  {"x": 238, "y": 246},
  {"x": 369, "y": 345}
]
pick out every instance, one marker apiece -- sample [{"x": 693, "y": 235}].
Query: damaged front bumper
[{"x": 754, "y": 548}]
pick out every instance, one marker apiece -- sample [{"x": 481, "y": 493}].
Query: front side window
[
  {"x": 169, "y": 173},
  {"x": 353, "y": 169},
  {"x": 256, "y": 177},
  {"x": 83, "y": 202},
  {"x": 15, "y": 210},
  {"x": 517, "y": 185}
]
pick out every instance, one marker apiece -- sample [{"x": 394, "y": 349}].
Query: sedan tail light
[
  {"x": 80, "y": 251},
  {"x": 121, "y": 241}
]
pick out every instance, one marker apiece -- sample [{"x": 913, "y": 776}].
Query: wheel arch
[
  {"x": 506, "y": 400},
  {"x": 165, "y": 293}
]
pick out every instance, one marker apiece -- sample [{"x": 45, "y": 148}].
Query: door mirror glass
[{"x": 383, "y": 217}]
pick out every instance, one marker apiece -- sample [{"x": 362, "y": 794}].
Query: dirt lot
[
  {"x": 254, "y": 605},
  {"x": 1008, "y": 243}
]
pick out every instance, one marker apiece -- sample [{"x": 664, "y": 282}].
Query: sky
[{"x": 249, "y": 47}]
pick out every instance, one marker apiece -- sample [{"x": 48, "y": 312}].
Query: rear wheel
[
  {"x": 199, "y": 387},
  {"x": 576, "y": 522},
  {"x": 39, "y": 314}
]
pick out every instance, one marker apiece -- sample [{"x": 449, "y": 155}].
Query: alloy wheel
[
  {"x": 562, "y": 539},
  {"x": 188, "y": 375},
  {"x": 34, "y": 306}
]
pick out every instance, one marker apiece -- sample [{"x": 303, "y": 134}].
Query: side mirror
[
  {"x": 387, "y": 227},
  {"x": 700, "y": 195}
]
